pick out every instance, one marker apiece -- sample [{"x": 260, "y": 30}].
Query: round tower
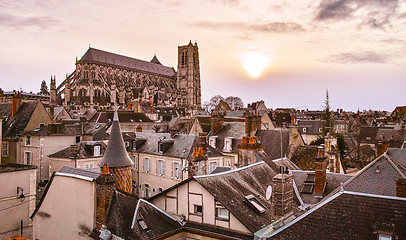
[{"x": 117, "y": 159}]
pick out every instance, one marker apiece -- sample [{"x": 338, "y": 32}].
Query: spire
[{"x": 116, "y": 154}]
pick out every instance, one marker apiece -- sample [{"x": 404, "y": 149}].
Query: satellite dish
[{"x": 268, "y": 192}]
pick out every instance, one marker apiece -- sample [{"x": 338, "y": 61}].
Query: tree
[
  {"x": 214, "y": 101},
  {"x": 235, "y": 103},
  {"x": 328, "y": 125},
  {"x": 44, "y": 88}
]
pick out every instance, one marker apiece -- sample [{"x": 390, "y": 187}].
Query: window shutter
[
  {"x": 143, "y": 164},
  {"x": 157, "y": 167},
  {"x": 163, "y": 166},
  {"x": 172, "y": 175}
]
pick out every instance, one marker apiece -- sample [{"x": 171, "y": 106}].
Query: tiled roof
[
  {"x": 271, "y": 141},
  {"x": 230, "y": 188},
  {"x": 106, "y": 117},
  {"x": 349, "y": 215},
  {"x": 333, "y": 181},
  {"x": 86, "y": 150},
  {"x": 5, "y": 110},
  {"x": 16, "y": 125},
  {"x": 236, "y": 130},
  {"x": 116, "y": 154},
  {"x": 97, "y": 55}
]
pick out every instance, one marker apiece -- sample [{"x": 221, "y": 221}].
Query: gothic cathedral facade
[{"x": 102, "y": 79}]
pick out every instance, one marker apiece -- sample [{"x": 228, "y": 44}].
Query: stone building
[{"x": 102, "y": 78}]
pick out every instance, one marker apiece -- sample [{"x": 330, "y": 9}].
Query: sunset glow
[{"x": 255, "y": 63}]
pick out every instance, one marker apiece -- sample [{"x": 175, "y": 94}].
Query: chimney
[
  {"x": 381, "y": 148},
  {"x": 217, "y": 120},
  {"x": 197, "y": 165},
  {"x": 138, "y": 129},
  {"x": 401, "y": 187},
  {"x": 16, "y": 103},
  {"x": 283, "y": 193},
  {"x": 320, "y": 173},
  {"x": 74, "y": 151},
  {"x": 104, "y": 194}
]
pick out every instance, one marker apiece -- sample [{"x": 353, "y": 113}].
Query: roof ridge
[
  {"x": 152, "y": 205},
  {"x": 231, "y": 171}
]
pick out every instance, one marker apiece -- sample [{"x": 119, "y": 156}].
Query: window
[
  {"x": 77, "y": 140},
  {"x": 227, "y": 144},
  {"x": 212, "y": 141},
  {"x": 89, "y": 166},
  {"x": 212, "y": 166},
  {"x": 27, "y": 158},
  {"x": 127, "y": 144},
  {"x": 96, "y": 150},
  {"x": 142, "y": 224},
  {"x": 255, "y": 204},
  {"x": 159, "y": 190},
  {"x": 4, "y": 151},
  {"x": 198, "y": 209},
  {"x": 28, "y": 140},
  {"x": 160, "y": 147},
  {"x": 320, "y": 129},
  {"x": 176, "y": 170},
  {"x": 146, "y": 165},
  {"x": 147, "y": 192},
  {"x": 160, "y": 167},
  {"x": 266, "y": 125},
  {"x": 385, "y": 237},
  {"x": 135, "y": 162},
  {"x": 221, "y": 212},
  {"x": 304, "y": 130}
]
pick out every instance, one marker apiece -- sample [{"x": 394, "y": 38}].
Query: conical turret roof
[{"x": 116, "y": 154}]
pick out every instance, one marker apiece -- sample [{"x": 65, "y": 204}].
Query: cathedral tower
[
  {"x": 188, "y": 79},
  {"x": 117, "y": 159}
]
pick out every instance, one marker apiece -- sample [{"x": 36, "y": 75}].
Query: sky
[{"x": 287, "y": 53}]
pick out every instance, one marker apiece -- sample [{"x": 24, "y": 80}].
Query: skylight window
[
  {"x": 142, "y": 224},
  {"x": 255, "y": 204}
]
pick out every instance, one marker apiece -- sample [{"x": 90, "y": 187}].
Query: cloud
[
  {"x": 357, "y": 57},
  {"x": 270, "y": 27},
  {"x": 373, "y": 13},
  {"x": 41, "y": 22}
]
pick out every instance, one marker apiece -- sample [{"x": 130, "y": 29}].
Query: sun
[{"x": 255, "y": 63}]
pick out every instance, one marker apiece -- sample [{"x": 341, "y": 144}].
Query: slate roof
[
  {"x": 96, "y": 55},
  {"x": 271, "y": 142},
  {"x": 304, "y": 157},
  {"x": 349, "y": 215},
  {"x": 116, "y": 154},
  {"x": 333, "y": 180},
  {"x": 236, "y": 130},
  {"x": 13, "y": 167},
  {"x": 231, "y": 187},
  {"x": 5, "y": 110},
  {"x": 86, "y": 150},
  {"x": 221, "y": 169},
  {"x": 78, "y": 172},
  {"x": 312, "y": 126},
  {"x": 182, "y": 146},
  {"x": 378, "y": 177},
  {"x": 104, "y": 117},
  {"x": 16, "y": 125}
]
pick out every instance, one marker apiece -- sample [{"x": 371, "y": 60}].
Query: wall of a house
[{"x": 68, "y": 210}]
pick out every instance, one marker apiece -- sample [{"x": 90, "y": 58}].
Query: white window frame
[
  {"x": 228, "y": 144},
  {"x": 385, "y": 236},
  {"x": 304, "y": 130},
  {"x": 96, "y": 150},
  {"x": 220, "y": 210},
  {"x": 160, "y": 167},
  {"x": 4, "y": 149},
  {"x": 213, "y": 141},
  {"x": 26, "y": 160},
  {"x": 176, "y": 173},
  {"x": 146, "y": 164}
]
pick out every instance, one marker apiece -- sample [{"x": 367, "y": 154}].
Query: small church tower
[
  {"x": 117, "y": 159},
  {"x": 52, "y": 97},
  {"x": 188, "y": 79}
]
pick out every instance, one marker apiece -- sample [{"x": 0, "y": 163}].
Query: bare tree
[
  {"x": 214, "y": 101},
  {"x": 235, "y": 103}
]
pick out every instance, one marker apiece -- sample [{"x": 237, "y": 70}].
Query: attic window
[
  {"x": 308, "y": 185},
  {"x": 254, "y": 203},
  {"x": 142, "y": 224},
  {"x": 198, "y": 209},
  {"x": 383, "y": 236}
]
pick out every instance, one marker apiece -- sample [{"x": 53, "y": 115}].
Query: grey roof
[
  {"x": 15, "y": 126},
  {"x": 379, "y": 177},
  {"x": 236, "y": 130},
  {"x": 116, "y": 154},
  {"x": 398, "y": 154},
  {"x": 5, "y": 110},
  {"x": 230, "y": 188},
  {"x": 221, "y": 169},
  {"x": 312, "y": 126},
  {"x": 348, "y": 215},
  {"x": 86, "y": 150},
  {"x": 271, "y": 141},
  {"x": 333, "y": 180},
  {"x": 101, "y": 56},
  {"x": 13, "y": 167},
  {"x": 79, "y": 172}
]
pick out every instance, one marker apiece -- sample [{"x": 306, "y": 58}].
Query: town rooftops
[
  {"x": 13, "y": 167},
  {"x": 86, "y": 150},
  {"x": 16, "y": 125},
  {"x": 346, "y": 215},
  {"x": 96, "y": 55},
  {"x": 125, "y": 116}
]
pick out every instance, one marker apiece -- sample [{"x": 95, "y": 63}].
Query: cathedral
[{"x": 103, "y": 78}]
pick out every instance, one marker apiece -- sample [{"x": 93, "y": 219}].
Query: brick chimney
[
  {"x": 401, "y": 187},
  {"x": 198, "y": 162},
  {"x": 216, "y": 120},
  {"x": 138, "y": 129},
  {"x": 283, "y": 193},
  {"x": 16, "y": 103},
  {"x": 104, "y": 194},
  {"x": 381, "y": 148},
  {"x": 320, "y": 166}
]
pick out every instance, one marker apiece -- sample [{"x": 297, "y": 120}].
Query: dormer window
[
  {"x": 28, "y": 140},
  {"x": 228, "y": 143},
  {"x": 304, "y": 129},
  {"x": 96, "y": 151},
  {"x": 213, "y": 141},
  {"x": 142, "y": 224},
  {"x": 384, "y": 236},
  {"x": 160, "y": 147}
]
